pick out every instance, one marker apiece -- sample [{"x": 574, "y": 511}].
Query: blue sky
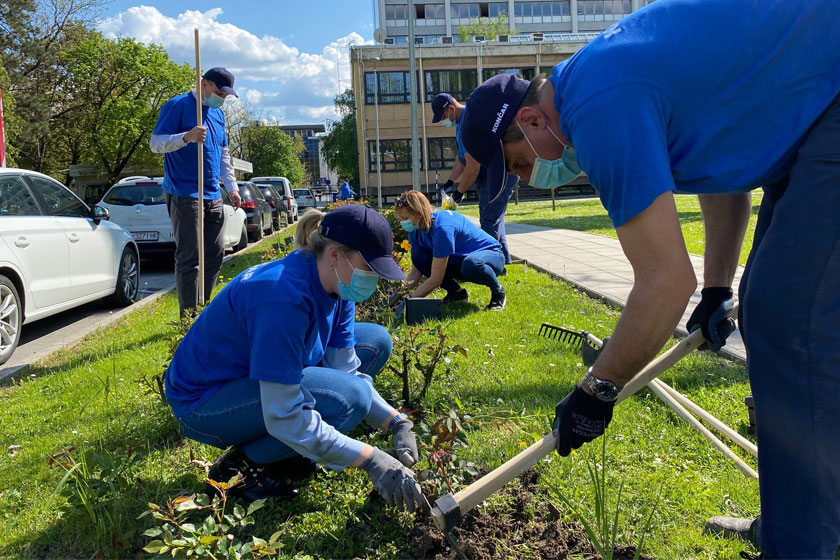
[{"x": 287, "y": 55}]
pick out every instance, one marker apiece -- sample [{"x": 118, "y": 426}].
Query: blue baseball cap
[
  {"x": 222, "y": 78},
  {"x": 439, "y": 105},
  {"x": 490, "y": 109},
  {"x": 367, "y": 231}
]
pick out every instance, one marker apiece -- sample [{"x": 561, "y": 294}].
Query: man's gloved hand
[
  {"x": 457, "y": 196},
  {"x": 393, "y": 481},
  {"x": 447, "y": 185},
  {"x": 710, "y": 317},
  {"x": 405, "y": 443},
  {"x": 580, "y": 418}
]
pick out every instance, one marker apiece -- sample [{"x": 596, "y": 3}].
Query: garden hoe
[{"x": 450, "y": 509}]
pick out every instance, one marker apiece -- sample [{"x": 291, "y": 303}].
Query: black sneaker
[
  {"x": 497, "y": 301},
  {"x": 293, "y": 468},
  {"x": 502, "y": 273},
  {"x": 256, "y": 484},
  {"x": 452, "y": 297}
]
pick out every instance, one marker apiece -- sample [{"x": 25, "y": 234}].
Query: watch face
[{"x": 606, "y": 391}]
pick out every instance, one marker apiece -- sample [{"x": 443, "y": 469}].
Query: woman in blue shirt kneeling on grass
[
  {"x": 277, "y": 368},
  {"x": 445, "y": 248}
]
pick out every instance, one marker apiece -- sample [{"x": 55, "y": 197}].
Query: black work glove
[
  {"x": 447, "y": 185},
  {"x": 710, "y": 317},
  {"x": 580, "y": 418},
  {"x": 457, "y": 196}
]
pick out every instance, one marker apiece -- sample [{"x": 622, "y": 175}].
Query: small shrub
[{"x": 443, "y": 439}]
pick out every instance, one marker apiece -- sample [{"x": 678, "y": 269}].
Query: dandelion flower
[{"x": 523, "y": 444}]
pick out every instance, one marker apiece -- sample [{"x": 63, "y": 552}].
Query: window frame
[
  {"x": 430, "y": 92},
  {"x": 391, "y": 166},
  {"x": 36, "y": 200},
  {"x": 45, "y": 206},
  {"x": 439, "y": 143}
]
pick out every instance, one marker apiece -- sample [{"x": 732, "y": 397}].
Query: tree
[
  {"x": 116, "y": 90},
  {"x": 240, "y": 116},
  {"x": 490, "y": 28},
  {"x": 272, "y": 152},
  {"x": 339, "y": 146}
]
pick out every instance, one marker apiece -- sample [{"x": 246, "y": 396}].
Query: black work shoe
[
  {"x": 256, "y": 484},
  {"x": 746, "y": 529},
  {"x": 293, "y": 468},
  {"x": 497, "y": 301},
  {"x": 452, "y": 297}
]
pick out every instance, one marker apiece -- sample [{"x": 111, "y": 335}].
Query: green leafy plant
[
  {"x": 602, "y": 528},
  {"x": 182, "y": 532},
  {"x": 443, "y": 439},
  {"x": 421, "y": 350}
]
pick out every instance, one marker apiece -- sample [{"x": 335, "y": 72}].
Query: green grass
[
  {"x": 589, "y": 215},
  {"x": 88, "y": 396}
]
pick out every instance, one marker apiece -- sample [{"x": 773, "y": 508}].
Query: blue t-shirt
[
  {"x": 451, "y": 234},
  {"x": 180, "y": 167},
  {"x": 268, "y": 324},
  {"x": 698, "y": 96},
  {"x": 346, "y": 192}
]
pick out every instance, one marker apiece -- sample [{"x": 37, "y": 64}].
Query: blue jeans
[
  {"x": 480, "y": 267},
  {"x": 491, "y": 215},
  {"x": 790, "y": 322},
  {"x": 233, "y": 415}
]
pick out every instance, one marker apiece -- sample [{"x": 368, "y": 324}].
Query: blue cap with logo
[
  {"x": 491, "y": 107},
  {"x": 364, "y": 229},
  {"x": 439, "y": 105},
  {"x": 222, "y": 78}
]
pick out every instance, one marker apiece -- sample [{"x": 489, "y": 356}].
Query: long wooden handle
[
  {"x": 739, "y": 440},
  {"x": 198, "y": 121},
  {"x": 655, "y": 385}
]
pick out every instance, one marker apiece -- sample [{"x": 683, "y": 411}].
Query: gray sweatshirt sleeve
[
  {"x": 226, "y": 172},
  {"x": 290, "y": 416},
  {"x": 345, "y": 359},
  {"x": 162, "y": 143}
]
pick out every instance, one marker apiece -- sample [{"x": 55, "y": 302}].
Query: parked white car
[
  {"x": 56, "y": 253},
  {"x": 139, "y": 205},
  {"x": 305, "y": 198},
  {"x": 283, "y": 187}
]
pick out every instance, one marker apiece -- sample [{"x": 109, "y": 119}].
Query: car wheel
[
  {"x": 270, "y": 229},
  {"x": 258, "y": 233},
  {"x": 11, "y": 318},
  {"x": 243, "y": 239},
  {"x": 290, "y": 218},
  {"x": 128, "y": 280},
  {"x": 296, "y": 215}
]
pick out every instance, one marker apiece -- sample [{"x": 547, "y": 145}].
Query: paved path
[{"x": 597, "y": 265}]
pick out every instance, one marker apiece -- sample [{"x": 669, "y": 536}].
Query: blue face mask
[
  {"x": 408, "y": 225},
  {"x": 447, "y": 122},
  {"x": 362, "y": 284},
  {"x": 214, "y": 101},
  {"x": 548, "y": 173}
]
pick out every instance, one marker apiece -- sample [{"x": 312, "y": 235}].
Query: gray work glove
[
  {"x": 405, "y": 443},
  {"x": 393, "y": 481}
]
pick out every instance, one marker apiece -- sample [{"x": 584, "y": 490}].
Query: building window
[
  {"x": 393, "y": 87},
  {"x": 464, "y": 11},
  {"x": 396, "y": 12},
  {"x": 542, "y": 10},
  {"x": 396, "y": 155},
  {"x": 603, "y": 10},
  {"x": 431, "y": 11},
  {"x": 496, "y": 8},
  {"x": 442, "y": 152},
  {"x": 459, "y": 83},
  {"x": 526, "y": 73}
]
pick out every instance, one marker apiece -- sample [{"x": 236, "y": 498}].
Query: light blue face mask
[
  {"x": 447, "y": 122},
  {"x": 362, "y": 284},
  {"x": 548, "y": 173},
  {"x": 408, "y": 225},
  {"x": 214, "y": 101}
]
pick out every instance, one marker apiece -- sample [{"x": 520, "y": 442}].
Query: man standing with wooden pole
[{"x": 191, "y": 133}]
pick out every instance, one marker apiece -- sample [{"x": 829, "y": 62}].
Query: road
[{"x": 43, "y": 337}]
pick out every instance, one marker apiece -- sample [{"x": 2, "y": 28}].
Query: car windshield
[
  {"x": 267, "y": 193},
  {"x": 302, "y": 192},
  {"x": 149, "y": 194}
]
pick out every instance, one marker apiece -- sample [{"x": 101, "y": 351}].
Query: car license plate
[{"x": 145, "y": 235}]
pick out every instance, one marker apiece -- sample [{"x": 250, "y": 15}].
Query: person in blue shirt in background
[
  {"x": 346, "y": 193},
  {"x": 493, "y": 198},
  {"x": 445, "y": 248},
  {"x": 176, "y": 135},
  {"x": 659, "y": 103},
  {"x": 292, "y": 372}
]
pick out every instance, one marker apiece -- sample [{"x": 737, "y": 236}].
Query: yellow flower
[
  {"x": 574, "y": 452},
  {"x": 523, "y": 444},
  {"x": 405, "y": 245}
]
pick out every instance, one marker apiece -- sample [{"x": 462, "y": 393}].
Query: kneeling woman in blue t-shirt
[
  {"x": 445, "y": 248},
  {"x": 276, "y": 367}
]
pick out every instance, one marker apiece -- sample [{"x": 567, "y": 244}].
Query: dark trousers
[
  {"x": 183, "y": 213},
  {"x": 790, "y": 322},
  {"x": 480, "y": 267},
  {"x": 491, "y": 213}
]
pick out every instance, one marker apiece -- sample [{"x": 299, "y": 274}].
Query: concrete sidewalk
[{"x": 597, "y": 265}]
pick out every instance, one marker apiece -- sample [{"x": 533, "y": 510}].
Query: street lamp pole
[{"x": 415, "y": 95}]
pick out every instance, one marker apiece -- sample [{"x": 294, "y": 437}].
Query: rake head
[{"x": 567, "y": 336}]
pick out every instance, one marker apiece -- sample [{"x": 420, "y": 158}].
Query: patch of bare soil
[{"x": 515, "y": 534}]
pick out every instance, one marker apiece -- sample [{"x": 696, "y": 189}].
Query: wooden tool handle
[{"x": 198, "y": 119}]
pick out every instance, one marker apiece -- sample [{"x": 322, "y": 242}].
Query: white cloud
[{"x": 288, "y": 84}]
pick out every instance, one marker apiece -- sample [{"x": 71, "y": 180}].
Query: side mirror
[{"x": 99, "y": 213}]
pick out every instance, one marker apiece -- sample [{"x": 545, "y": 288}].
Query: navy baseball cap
[
  {"x": 222, "y": 78},
  {"x": 439, "y": 105},
  {"x": 364, "y": 229},
  {"x": 490, "y": 109}
]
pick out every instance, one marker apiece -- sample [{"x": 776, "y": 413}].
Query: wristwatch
[{"x": 604, "y": 390}]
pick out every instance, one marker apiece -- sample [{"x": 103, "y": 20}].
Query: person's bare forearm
[
  {"x": 469, "y": 175},
  {"x": 457, "y": 169},
  {"x": 726, "y": 217}
]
